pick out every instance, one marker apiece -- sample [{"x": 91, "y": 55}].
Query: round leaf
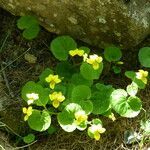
[
  {"x": 87, "y": 106},
  {"x": 89, "y": 73},
  {"x": 86, "y": 49},
  {"x": 39, "y": 121},
  {"x": 66, "y": 117},
  {"x": 132, "y": 76},
  {"x": 80, "y": 92},
  {"x": 112, "y": 53},
  {"x": 31, "y": 32},
  {"x": 101, "y": 99},
  {"x": 77, "y": 79},
  {"x": 51, "y": 130},
  {"x": 135, "y": 103},
  {"x": 116, "y": 69},
  {"x": 32, "y": 87},
  {"x": 121, "y": 105},
  {"x": 61, "y": 46},
  {"x": 64, "y": 69},
  {"x": 29, "y": 138},
  {"x": 82, "y": 126},
  {"x": 96, "y": 121},
  {"x": 101, "y": 102},
  {"x": 132, "y": 89},
  {"x": 45, "y": 74},
  {"x": 26, "y": 21},
  {"x": 144, "y": 56}
]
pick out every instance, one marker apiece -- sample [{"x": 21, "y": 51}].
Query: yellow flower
[
  {"x": 56, "y": 98},
  {"x": 32, "y": 97},
  {"x": 52, "y": 79},
  {"x": 80, "y": 117},
  {"x": 76, "y": 52},
  {"x": 94, "y": 60},
  {"x": 28, "y": 112},
  {"x": 112, "y": 117},
  {"x": 96, "y": 130},
  {"x": 142, "y": 75}
]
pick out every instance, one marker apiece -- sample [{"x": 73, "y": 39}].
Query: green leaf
[
  {"x": 86, "y": 49},
  {"x": 96, "y": 121},
  {"x": 116, "y": 69},
  {"x": 32, "y": 87},
  {"x": 132, "y": 89},
  {"x": 135, "y": 103},
  {"x": 25, "y": 22},
  {"x": 101, "y": 98},
  {"x": 132, "y": 76},
  {"x": 29, "y": 138},
  {"x": 45, "y": 74},
  {"x": 61, "y": 88},
  {"x": 80, "y": 92},
  {"x": 102, "y": 87},
  {"x": 87, "y": 106},
  {"x": 112, "y": 53},
  {"x": 144, "y": 56},
  {"x": 77, "y": 79},
  {"x": 61, "y": 46},
  {"x": 66, "y": 117},
  {"x": 64, "y": 69},
  {"x": 122, "y": 105},
  {"x": 39, "y": 121},
  {"x": 89, "y": 73},
  {"x": 44, "y": 97},
  {"x": 145, "y": 125},
  {"x": 82, "y": 126},
  {"x": 101, "y": 102},
  {"x": 31, "y": 32},
  {"x": 51, "y": 130}
]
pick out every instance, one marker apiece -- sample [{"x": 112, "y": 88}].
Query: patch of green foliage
[
  {"x": 30, "y": 27},
  {"x": 73, "y": 91}
]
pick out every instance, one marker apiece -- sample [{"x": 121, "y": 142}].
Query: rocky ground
[{"x": 15, "y": 71}]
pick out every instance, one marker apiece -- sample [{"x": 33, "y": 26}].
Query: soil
[{"x": 16, "y": 71}]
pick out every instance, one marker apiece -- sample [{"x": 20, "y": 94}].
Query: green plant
[
  {"x": 29, "y": 138},
  {"x": 29, "y": 25},
  {"x": 144, "y": 56},
  {"x": 113, "y": 55},
  {"x": 72, "y": 91}
]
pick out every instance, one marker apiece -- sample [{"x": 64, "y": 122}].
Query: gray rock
[{"x": 97, "y": 22}]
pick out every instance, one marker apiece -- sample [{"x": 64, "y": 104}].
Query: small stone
[{"x": 30, "y": 58}]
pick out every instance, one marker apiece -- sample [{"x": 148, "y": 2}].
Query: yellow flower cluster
[
  {"x": 27, "y": 112},
  {"x": 53, "y": 80},
  {"x": 80, "y": 117},
  {"x": 32, "y": 97},
  {"x": 94, "y": 60},
  {"x": 96, "y": 130},
  {"x": 142, "y": 75},
  {"x": 56, "y": 98},
  {"x": 76, "y": 52}
]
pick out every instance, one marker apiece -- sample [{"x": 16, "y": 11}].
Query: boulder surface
[{"x": 97, "y": 22}]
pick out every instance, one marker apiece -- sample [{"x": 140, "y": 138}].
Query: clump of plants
[{"x": 74, "y": 93}]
